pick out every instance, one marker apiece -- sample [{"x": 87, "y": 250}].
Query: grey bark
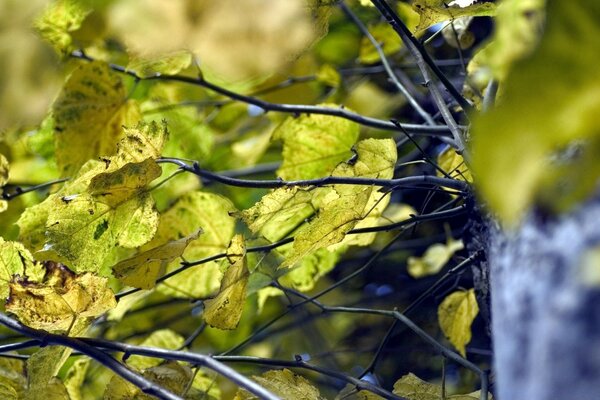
[{"x": 545, "y": 315}]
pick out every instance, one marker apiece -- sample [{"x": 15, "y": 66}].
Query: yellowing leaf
[
  {"x": 163, "y": 339},
  {"x": 329, "y": 76},
  {"x": 89, "y": 114},
  {"x": 285, "y": 384},
  {"x": 387, "y": 38},
  {"x": 142, "y": 270},
  {"x": 171, "y": 375},
  {"x": 541, "y": 142},
  {"x": 75, "y": 378},
  {"x": 434, "y": 259},
  {"x": 413, "y": 388},
  {"x": 3, "y": 180},
  {"x": 455, "y": 315},
  {"x": 196, "y": 210},
  {"x": 60, "y": 300},
  {"x": 454, "y": 165},
  {"x": 204, "y": 387},
  {"x": 169, "y": 64},
  {"x": 313, "y": 145},
  {"x": 345, "y": 205},
  {"x": 225, "y": 310},
  {"x": 57, "y": 22},
  {"x": 310, "y": 269},
  {"x": 42, "y": 368},
  {"x": 14, "y": 260},
  {"x": 12, "y": 379},
  {"x": 434, "y": 11}
]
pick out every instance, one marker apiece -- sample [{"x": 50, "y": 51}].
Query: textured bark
[{"x": 545, "y": 317}]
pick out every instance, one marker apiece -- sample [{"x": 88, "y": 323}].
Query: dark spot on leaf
[
  {"x": 91, "y": 211},
  {"x": 100, "y": 229}
]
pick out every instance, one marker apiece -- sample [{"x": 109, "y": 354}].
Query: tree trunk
[{"x": 546, "y": 308}]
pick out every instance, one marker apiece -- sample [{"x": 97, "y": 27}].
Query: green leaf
[
  {"x": 196, "y": 210},
  {"x": 541, "y": 142},
  {"x": 345, "y": 205},
  {"x": 12, "y": 379},
  {"x": 75, "y": 378},
  {"x": 434, "y": 11},
  {"x": 42, "y": 368},
  {"x": 225, "y": 310},
  {"x": 328, "y": 76},
  {"x": 57, "y": 22},
  {"x": 142, "y": 270},
  {"x": 204, "y": 387},
  {"x": 434, "y": 259},
  {"x": 310, "y": 269},
  {"x": 314, "y": 144},
  {"x": 285, "y": 384},
  {"x": 89, "y": 113},
  {"x": 168, "y": 64},
  {"x": 62, "y": 301},
  {"x": 162, "y": 339},
  {"x": 4, "y": 168},
  {"x": 387, "y": 38},
  {"x": 413, "y": 388},
  {"x": 14, "y": 260},
  {"x": 455, "y": 315}
]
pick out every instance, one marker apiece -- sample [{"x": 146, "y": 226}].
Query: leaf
[
  {"x": 328, "y": 76},
  {"x": 225, "y": 310},
  {"x": 61, "y": 300},
  {"x": 285, "y": 384},
  {"x": 434, "y": 11},
  {"x": 434, "y": 259},
  {"x": 455, "y": 316},
  {"x": 171, "y": 375},
  {"x": 89, "y": 114},
  {"x": 75, "y": 378},
  {"x": 168, "y": 64},
  {"x": 12, "y": 379},
  {"x": 345, "y": 205},
  {"x": 4, "y": 168},
  {"x": 42, "y": 368},
  {"x": 310, "y": 269},
  {"x": 162, "y": 339},
  {"x": 14, "y": 260},
  {"x": 196, "y": 210},
  {"x": 541, "y": 142},
  {"x": 314, "y": 144},
  {"x": 142, "y": 270},
  {"x": 454, "y": 165},
  {"x": 57, "y": 22},
  {"x": 413, "y": 388},
  {"x": 204, "y": 387}
]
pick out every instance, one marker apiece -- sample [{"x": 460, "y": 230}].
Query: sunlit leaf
[
  {"x": 14, "y": 260},
  {"x": 455, "y": 315},
  {"x": 453, "y": 164},
  {"x": 434, "y": 11},
  {"x": 285, "y": 384},
  {"x": 143, "y": 269},
  {"x": 225, "y": 310},
  {"x": 329, "y": 76},
  {"x": 89, "y": 114},
  {"x": 435, "y": 258},
  {"x": 57, "y": 22},
  {"x": 169, "y": 64},
  {"x": 163, "y": 339},
  {"x": 314, "y": 144},
  {"x": 413, "y": 388},
  {"x": 42, "y": 368},
  {"x": 75, "y": 378},
  {"x": 310, "y": 269},
  {"x": 171, "y": 375},
  {"x": 62, "y": 298},
  {"x": 345, "y": 205},
  {"x": 196, "y": 210},
  {"x": 543, "y": 134}
]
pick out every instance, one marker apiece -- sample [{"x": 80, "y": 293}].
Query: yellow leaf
[
  {"x": 14, "y": 260},
  {"x": 163, "y": 339},
  {"x": 313, "y": 145},
  {"x": 42, "y": 368},
  {"x": 413, "y": 388},
  {"x": 75, "y": 378},
  {"x": 434, "y": 259},
  {"x": 455, "y": 316},
  {"x": 89, "y": 113},
  {"x": 58, "y": 21},
  {"x": 434, "y": 11},
  {"x": 225, "y": 310},
  {"x": 285, "y": 384},
  {"x": 168, "y": 64},
  {"x": 60, "y": 300},
  {"x": 454, "y": 165},
  {"x": 329, "y": 76},
  {"x": 142, "y": 270}
]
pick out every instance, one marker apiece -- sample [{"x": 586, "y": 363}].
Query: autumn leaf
[
  {"x": 455, "y": 315},
  {"x": 435, "y": 258},
  {"x": 162, "y": 339},
  {"x": 58, "y": 21},
  {"x": 412, "y": 387},
  {"x": 4, "y": 168},
  {"x": 434, "y": 11},
  {"x": 285, "y": 384},
  {"x": 169, "y": 64},
  {"x": 42, "y": 370},
  {"x": 225, "y": 310}
]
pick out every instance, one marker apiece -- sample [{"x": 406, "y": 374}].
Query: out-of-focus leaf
[
  {"x": 58, "y": 21},
  {"x": 89, "y": 114},
  {"x": 313, "y": 145},
  {"x": 541, "y": 142},
  {"x": 171, "y": 375},
  {"x": 413, "y": 388},
  {"x": 142, "y": 270},
  {"x": 75, "y": 378},
  {"x": 311, "y": 268},
  {"x": 169, "y": 64},
  {"x": 434, "y": 11},
  {"x": 12, "y": 379},
  {"x": 204, "y": 387},
  {"x": 60, "y": 300},
  {"x": 42, "y": 368},
  {"x": 345, "y": 205},
  {"x": 455, "y": 315},
  {"x": 196, "y": 210},
  {"x": 163, "y": 339},
  {"x": 329, "y": 76},
  {"x": 388, "y": 40},
  {"x": 4, "y": 168},
  {"x": 225, "y": 310},
  {"x": 285, "y": 384},
  {"x": 434, "y": 259}
]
